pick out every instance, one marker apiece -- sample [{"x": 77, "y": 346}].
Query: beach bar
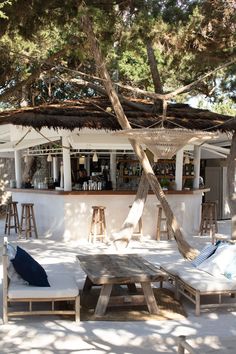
[{"x": 77, "y": 162}]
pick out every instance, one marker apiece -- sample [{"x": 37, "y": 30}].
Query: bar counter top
[{"x": 102, "y": 192}]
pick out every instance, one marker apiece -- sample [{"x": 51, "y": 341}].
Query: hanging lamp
[
  {"x": 95, "y": 157},
  {"x": 49, "y": 157}
]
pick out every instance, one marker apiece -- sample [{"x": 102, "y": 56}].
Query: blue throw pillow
[
  {"x": 205, "y": 253},
  {"x": 29, "y": 269}
]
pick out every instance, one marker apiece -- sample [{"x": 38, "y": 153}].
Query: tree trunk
[
  {"x": 29, "y": 169},
  {"x": 231, "y": 184},
  {"x": 153, "y": 67},
  {"x": 185, "y": 249}
]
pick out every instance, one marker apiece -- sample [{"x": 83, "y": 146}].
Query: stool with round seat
[
  {"x": 12, "y": 219},
  {"x": 139, "y": 232},
  {"x": 209, "y": 218},
  {"x": 162, "y": 226},
  {"x": 28, "y": 223},
  {"x": 98, "y": 225}
]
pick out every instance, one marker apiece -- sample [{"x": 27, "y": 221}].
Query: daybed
[
  {"x": 200, "y": 287},
  {"x": 63, "y": 290}
]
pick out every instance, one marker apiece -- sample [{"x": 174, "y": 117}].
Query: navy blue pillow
[{"x": 30, "y": 270}]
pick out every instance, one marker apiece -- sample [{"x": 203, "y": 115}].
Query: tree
[{"x": 186, "y": 35}]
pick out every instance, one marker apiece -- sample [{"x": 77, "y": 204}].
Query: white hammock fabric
[{"x": 163, "y": 142}]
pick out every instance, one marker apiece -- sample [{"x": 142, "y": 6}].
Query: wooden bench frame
[
  {"x": 6, "y": 300},
  {"x": 194, "y": 295},
  {"x": 183, "y": 345}
]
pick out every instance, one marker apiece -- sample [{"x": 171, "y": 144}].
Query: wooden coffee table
[{"x": 129, "y": 269}]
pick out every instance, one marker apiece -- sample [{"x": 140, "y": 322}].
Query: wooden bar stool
[
  {"x": 27, "y": 223},
  {"x": 12, "y": 219},
  {"x": 139, "y": 232},
  {"x": 209, "y": 218},
  {"x": 98, "y": 225},
  {"x": 162, "y": 226}
]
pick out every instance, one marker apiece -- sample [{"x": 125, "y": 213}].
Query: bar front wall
[{"x": 67, "y": 216}]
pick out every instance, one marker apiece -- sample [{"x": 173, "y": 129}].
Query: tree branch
[
  {"x": 43, "y": 66},
  {"x": 186, "y": 88}
]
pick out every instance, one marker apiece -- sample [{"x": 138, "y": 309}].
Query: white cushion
[
  {"x": 12, "y": 274},
  {"x": 205, "y": 282},
  {"x": 63, "y": 285},
  {"x": 218, "y": 262},
  {"x": 11, "y": 251},
  {"x": 199, "y": 279},
  {"x": 230, "y": 270}
]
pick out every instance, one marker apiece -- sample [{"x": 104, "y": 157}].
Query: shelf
[
  {"x": 158, "y": 176},
  {"x": 128, "y": 161},
  {"x": 129, "y": 176}
]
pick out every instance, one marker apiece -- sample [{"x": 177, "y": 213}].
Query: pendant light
[
  {"x": 81, "y": 159},
  {"x": 95, "y": 157},
  {"x": 49, "y": 158}
]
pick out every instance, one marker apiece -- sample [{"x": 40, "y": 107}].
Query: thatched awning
[{"x": 97, "y": 113}]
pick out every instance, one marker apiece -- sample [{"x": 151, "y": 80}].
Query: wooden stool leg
[
  {"x": 95, "y": 226},
  {"x": 12, "y": 220},
  {"x": 209, "y": 219},
  {"x": 22, "y": 219},
  {"x": 98, "y": 225},
  {"x": 159, "y": 217},
  {"x": 104, "y": 224},
  {"x": 7, "y": 222},
  {"x": 34, "y": 222},
  {"x": 27, "y": 222}
]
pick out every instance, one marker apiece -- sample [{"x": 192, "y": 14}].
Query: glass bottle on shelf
[
  {"x": 186, "y": 170},
  {"x": 192, "y": 170}
]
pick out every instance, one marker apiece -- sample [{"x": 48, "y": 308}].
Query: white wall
[{"x": 68, "y": 217}]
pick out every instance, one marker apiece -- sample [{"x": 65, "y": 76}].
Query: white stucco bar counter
[{"x": 67, "y": 215}]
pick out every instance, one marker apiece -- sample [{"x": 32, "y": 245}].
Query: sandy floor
[{"x": 212, "y": 332}]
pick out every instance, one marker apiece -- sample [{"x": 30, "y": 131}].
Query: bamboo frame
[
  {"x": 194, "y": 295},
  {"x": 183, "y": 345},
  {"x": 6, "y": 300}
]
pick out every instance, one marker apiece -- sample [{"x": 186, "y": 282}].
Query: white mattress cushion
[
  {"x": 199, "y": 279},
  {"x": 62, "y": 285},
  {"x": 218, "y": 263}
]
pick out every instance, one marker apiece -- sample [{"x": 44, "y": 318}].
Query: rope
[
  {"x": 50, "y": 141},
  {"x": 21, "y": 139}
]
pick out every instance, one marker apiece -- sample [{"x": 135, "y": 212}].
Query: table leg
[
  {"x": 132, "y": 288},
  {"x": 150, "y": 298},
  {"x": 87, "y": 285},
  {"x": 103, "y": 300}
]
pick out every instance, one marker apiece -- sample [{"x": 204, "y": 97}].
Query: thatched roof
[{"x": 97, "y": 113}]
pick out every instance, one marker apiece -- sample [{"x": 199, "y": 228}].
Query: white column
[
  {"x": 197, "y": 157},
  {"x": 113, "y": 169},
  {"x": 55, "y": 169},
  {"x": 179, "y": 170},
  {"x": 18, "y": 170},
  {"x": 66, "y": 164}
]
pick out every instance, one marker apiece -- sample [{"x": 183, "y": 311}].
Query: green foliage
[
  {"x": 223, "y": 106},
  {"x": 2, "y": 5},
  {"x": 227, "y": 107},
  {"x": 133, "y": 68},
  {"x": 189, "y": 37}
]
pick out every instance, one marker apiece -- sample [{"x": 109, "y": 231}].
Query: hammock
[{"x": 163, "y": 142}]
